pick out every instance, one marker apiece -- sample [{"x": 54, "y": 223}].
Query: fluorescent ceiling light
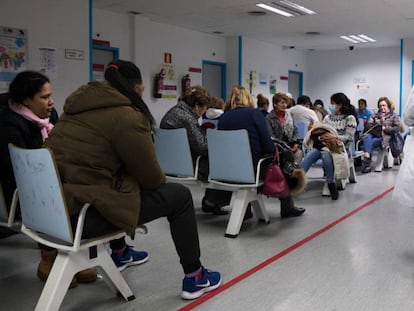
[
  {"x": 273, "y": 9},
  {"x": 367, "y": 38},
  {"x": 297, "y": 7},
  {"x": 358, "y": 39},
  {"x": 349, "y": 39}
]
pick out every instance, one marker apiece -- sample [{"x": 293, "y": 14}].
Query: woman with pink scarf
[{"x": 26, "y": 123}]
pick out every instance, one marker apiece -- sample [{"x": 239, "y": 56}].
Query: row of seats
[{"x": 230, "y": 168}]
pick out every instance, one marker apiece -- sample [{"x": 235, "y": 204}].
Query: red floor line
[{"x": 281, "y": 254}]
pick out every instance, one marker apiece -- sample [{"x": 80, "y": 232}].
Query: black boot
[
  {"x": 366, "y": 166},
  {"x": 288, "y": 209},
  {"x": 333, "y": 190},
  {"x": 209, "y": 207}
]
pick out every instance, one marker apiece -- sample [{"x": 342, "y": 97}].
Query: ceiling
[{"x": 387, "y": 21}]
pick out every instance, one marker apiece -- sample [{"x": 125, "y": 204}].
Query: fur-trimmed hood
[{"x": 308, "y": 141}]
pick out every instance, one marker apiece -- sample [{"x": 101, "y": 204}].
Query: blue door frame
[
  {"x": 223, "y": 76},
  {"x": 300, "y": 74}
]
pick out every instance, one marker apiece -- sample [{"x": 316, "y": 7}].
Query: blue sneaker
[
  {"x": 131, "y": 258},
  {"x": 193, "y": 289}
]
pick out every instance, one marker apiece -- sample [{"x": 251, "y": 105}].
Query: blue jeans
[
  {"x": 371, "y": 142},
  {"x": 314, "y": 155}
]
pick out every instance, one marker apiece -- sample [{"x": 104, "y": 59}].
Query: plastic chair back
[
  {"x": 42, "y": 202},
  {"x": 229, "y": 155},
  {"x": 173, "y": 152},
  {"x": 302, "y": 127}
]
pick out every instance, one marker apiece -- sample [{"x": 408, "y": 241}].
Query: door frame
[
  {"x": 300, "y": 74},
  {"x": 223, "y": 76}
]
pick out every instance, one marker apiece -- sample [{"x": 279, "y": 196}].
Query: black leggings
[{"x": 173, "y": 201}]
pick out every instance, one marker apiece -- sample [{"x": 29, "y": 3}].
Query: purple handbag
[{"x": 275, "y": 184}]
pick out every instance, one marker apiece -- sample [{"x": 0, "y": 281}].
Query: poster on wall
[
  {"x": 48, "y": 63},
  {"x": 170, "y": 83},
  {"x": 13, "y": 54},
  {"x": 272, "y": 85}
]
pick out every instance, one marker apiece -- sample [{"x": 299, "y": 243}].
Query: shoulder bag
[
  {"x": 396, "y": 144},
  {"x": 275, "y": 184}
]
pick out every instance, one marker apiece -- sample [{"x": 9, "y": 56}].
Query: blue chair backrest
[
  {"x": 360, "y": 126},
  {"x": 41, "y": 199},
  {"x": 173, "y": 152},
  {"x": 4, "y": 215},
  {"x": 229, "y": 156},
  {"x": 302, "y": 127}
]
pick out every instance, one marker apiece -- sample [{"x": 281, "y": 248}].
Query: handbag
[
  {"x": 396, "y": 144},
  {"x": 275, "y": 184}
]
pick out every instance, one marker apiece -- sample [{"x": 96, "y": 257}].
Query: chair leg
[
  {"x": 240, "y": 199},
  {"x": 325, "y": 190},
  {"x": 352, "y": 173},
  {"x": 260, "y": 209},
  {"x": 388, "y": 159},
  {"x": 380, "y": 160},
  {"x": 57, "y": 283},
  {"x": 112, "y": 276}
]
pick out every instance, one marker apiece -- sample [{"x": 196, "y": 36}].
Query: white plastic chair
[
  {"x": 45, "y": 219},
  {"x": 7, "y": 215},
  {"x": 231, "y": 168},
  {"x": 174, "y": 155}
]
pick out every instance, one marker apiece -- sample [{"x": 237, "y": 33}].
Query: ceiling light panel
[
  {"x": 297, "y": 7},
  {"x": 274, "y": 10},
  {"x": 349, "y": 39}
]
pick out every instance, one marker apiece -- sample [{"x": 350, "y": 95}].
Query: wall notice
[{"x": 13, "y": 54}]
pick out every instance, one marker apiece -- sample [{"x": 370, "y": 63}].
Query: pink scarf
[{"x": 44, "y": 124}]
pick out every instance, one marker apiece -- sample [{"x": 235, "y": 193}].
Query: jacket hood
[
  {"x": 94, "y": 95},
  {"x": 213, "y": 113}
]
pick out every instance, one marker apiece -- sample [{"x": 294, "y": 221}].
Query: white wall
[
  {"x": 408, "y": 58},
  {"x": 117, "y": 31},
  {"x": 56, "y": 24},
  {"x": 189, "y": 49},
  {"x": 273, "y": 61},
  {"x": 337, "y": 71}
]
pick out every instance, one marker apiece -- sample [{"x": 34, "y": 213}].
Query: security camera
[{"x": 351, "y": 48}]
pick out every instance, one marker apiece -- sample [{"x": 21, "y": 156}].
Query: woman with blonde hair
[{"x": 240, "y": 113}]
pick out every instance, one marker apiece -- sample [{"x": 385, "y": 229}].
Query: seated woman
[
  {"x": 213, "y": 114},
  {"x": 263, "y": 104},
  {"x": 26, "y": 123},
  {"x": 241, "y": 114},
  {"x": 379, "y": 129},
  {"x": 341, "y": 124},
  {"x": 105, "y": 154},
  {"x": 186, "y": 115},
  {"x": 319, "y": 109},
  {"x": 280, "y": 125}
]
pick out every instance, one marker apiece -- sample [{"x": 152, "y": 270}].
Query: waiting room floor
[{"x": 356, "y": 253}]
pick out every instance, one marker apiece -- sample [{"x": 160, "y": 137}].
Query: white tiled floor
[{"x": 362, "y": 262}]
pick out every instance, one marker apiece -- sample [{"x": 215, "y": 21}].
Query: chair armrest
[
  {"x": 259, "y": 166},
  {"x": 79, "y": 226}
]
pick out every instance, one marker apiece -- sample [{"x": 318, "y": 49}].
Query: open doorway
[
  {"x": 214, "y": 78},
  {"x": 295, "y": 83}
]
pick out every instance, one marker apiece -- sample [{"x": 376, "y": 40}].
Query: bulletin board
[{"x": 13, "y": 54}]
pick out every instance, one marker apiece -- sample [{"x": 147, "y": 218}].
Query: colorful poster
[
  {"x": 13, "y": 54},
  {"x": 272, "y": 86},
  {"x": 170, "y": 84}
]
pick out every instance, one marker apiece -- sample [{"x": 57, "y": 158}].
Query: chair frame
[
  {"x": 9, "y": 216},
  {"x": 243, "y": 193},
  {"x": 73, "y": 256}
]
